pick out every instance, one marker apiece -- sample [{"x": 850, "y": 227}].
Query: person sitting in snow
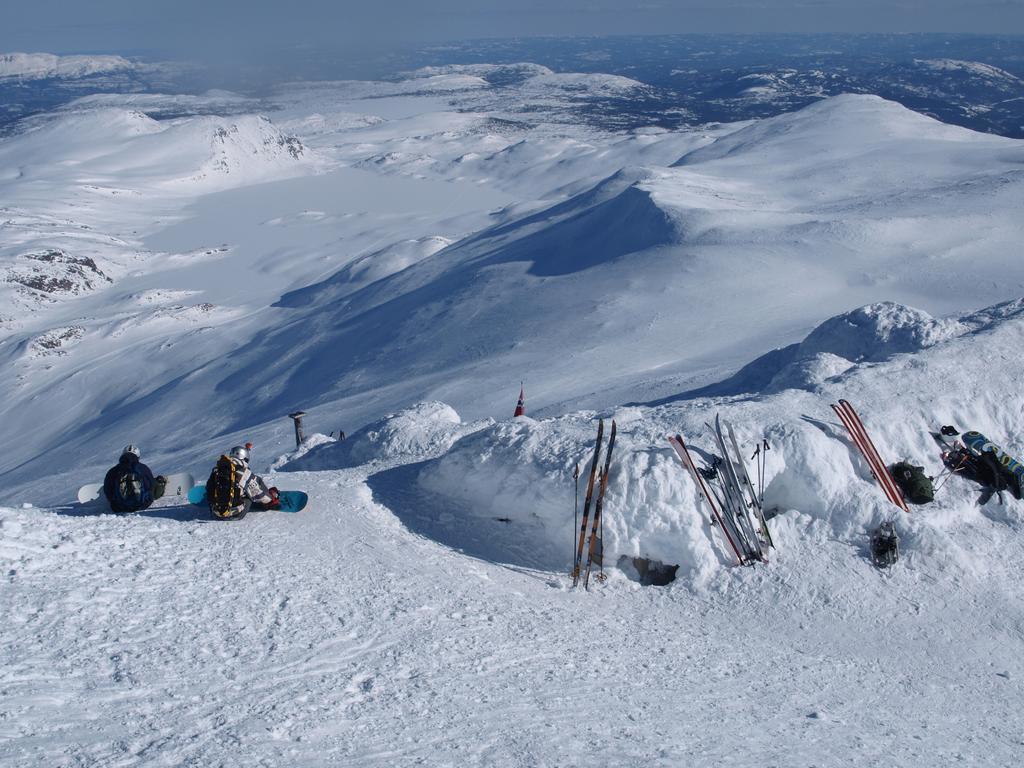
[
  {"x": 233, "y": 488},
  {"x": 130, "y": 486}
]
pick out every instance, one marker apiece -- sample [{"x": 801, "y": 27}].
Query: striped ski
[
  {"x": 684, "y": 456},
  {"x": 597, "y": 508},
  {"x": 860, "y": 436},
  {"x": 735, "y": 502},
  {"x": 586, "y": 504},
  {"x": 755, "y": 502}
]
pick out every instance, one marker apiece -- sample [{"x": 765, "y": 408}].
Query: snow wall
[{"x": 511, "y": 483}]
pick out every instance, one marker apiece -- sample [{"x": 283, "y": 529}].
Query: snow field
[
  {"x": 336, "y": 636},
  {"x": 436, "y": 240}
]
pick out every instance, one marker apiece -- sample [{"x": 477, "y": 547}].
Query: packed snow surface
[{"x": 394, "y": 259}]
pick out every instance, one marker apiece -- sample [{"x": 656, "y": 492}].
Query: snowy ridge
[
  {"x": 108, "y": 143},
  {"x": 974, "y": 68},
  {"x": 44, "y": 65},
  {"x": 89, "y": 178}
]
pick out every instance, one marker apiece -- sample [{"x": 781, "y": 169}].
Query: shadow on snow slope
[{"x": 340, "y": 342}]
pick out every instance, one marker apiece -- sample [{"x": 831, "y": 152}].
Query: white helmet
[
  {"x": 240, "y": 452},
  {"x": 133, "y": 450}
]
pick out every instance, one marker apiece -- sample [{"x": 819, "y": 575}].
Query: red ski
[{"x": 860, "y": 436}]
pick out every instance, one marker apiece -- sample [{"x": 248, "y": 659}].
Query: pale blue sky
[{"x": 196, "y": 26}]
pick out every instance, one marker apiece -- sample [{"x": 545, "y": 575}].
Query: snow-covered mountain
[
  {"x": 48, "y": 65},
  {"x": 394, "y": 258}
]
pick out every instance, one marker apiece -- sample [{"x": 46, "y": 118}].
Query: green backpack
[{"x": 916, "y": 485}]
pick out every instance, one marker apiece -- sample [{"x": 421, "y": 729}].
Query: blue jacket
[{"x": 111, "y": 482}]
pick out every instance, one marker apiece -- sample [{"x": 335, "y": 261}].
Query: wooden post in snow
[{"x": 297, "y": 418}]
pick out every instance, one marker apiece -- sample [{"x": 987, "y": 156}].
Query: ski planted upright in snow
[
  {"x": 678, "y": 444},
  {"x": 734, "y": 499},
  {"x": 756, "y": 502},
  {"x": 594, "y": 537},
  {"x": 855, "y": 427},
  {"x": 586, "y": 504}
]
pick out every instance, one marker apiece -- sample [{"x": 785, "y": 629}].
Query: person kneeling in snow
[
  {"x": 233, "y": 488},
  {"x": 130, "y": 486}
]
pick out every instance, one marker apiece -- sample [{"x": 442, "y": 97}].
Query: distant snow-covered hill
[
  {"x": 48, "y": 65},
  {"x": 81, "y": 185}
]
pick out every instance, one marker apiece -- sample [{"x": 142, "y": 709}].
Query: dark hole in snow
[{"x": 650, "y": 573}]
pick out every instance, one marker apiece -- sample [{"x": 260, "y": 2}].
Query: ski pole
[
  {"x": 576, "y": 506},
  {"x": 952, "y": 471},
  {"x": 600, "y": 576},
  {"x": 756, "y": 458},
  {"x": 762, "y": 470}
]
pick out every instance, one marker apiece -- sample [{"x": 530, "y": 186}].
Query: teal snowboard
[{"x": 291, "y": 501}]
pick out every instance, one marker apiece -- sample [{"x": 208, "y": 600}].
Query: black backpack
[
  {"x": 130, "y": 491},
  {"x": 224, "y": 488},
  {"x": 916, "y": 485}
]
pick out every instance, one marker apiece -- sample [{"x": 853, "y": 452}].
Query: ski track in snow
[{"x": 338, "y": 637}]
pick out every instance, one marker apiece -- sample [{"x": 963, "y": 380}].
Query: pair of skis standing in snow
[
  {"x": 231, "y": 491},
  {"x": 737, "y": 510},
  {"x": 736, "y": 507},
  {"x": 597, "y": 527}
]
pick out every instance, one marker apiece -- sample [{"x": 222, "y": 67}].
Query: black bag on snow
[
  {"x": 916, "y": 485},
  {"x": 224, "y": 491},
  {"x": 130, "y": 491}
]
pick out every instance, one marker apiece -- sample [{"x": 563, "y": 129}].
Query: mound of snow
[
  {"x": 876, "y": 332},
  {"x": 43, "y": 65},
  {"x": 521, "y": 471},
  {"x": 871, "y": 333},
  {"x": 419, "y": 431}
]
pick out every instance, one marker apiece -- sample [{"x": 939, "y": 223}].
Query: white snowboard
[{"x": 177, "y": 485}]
